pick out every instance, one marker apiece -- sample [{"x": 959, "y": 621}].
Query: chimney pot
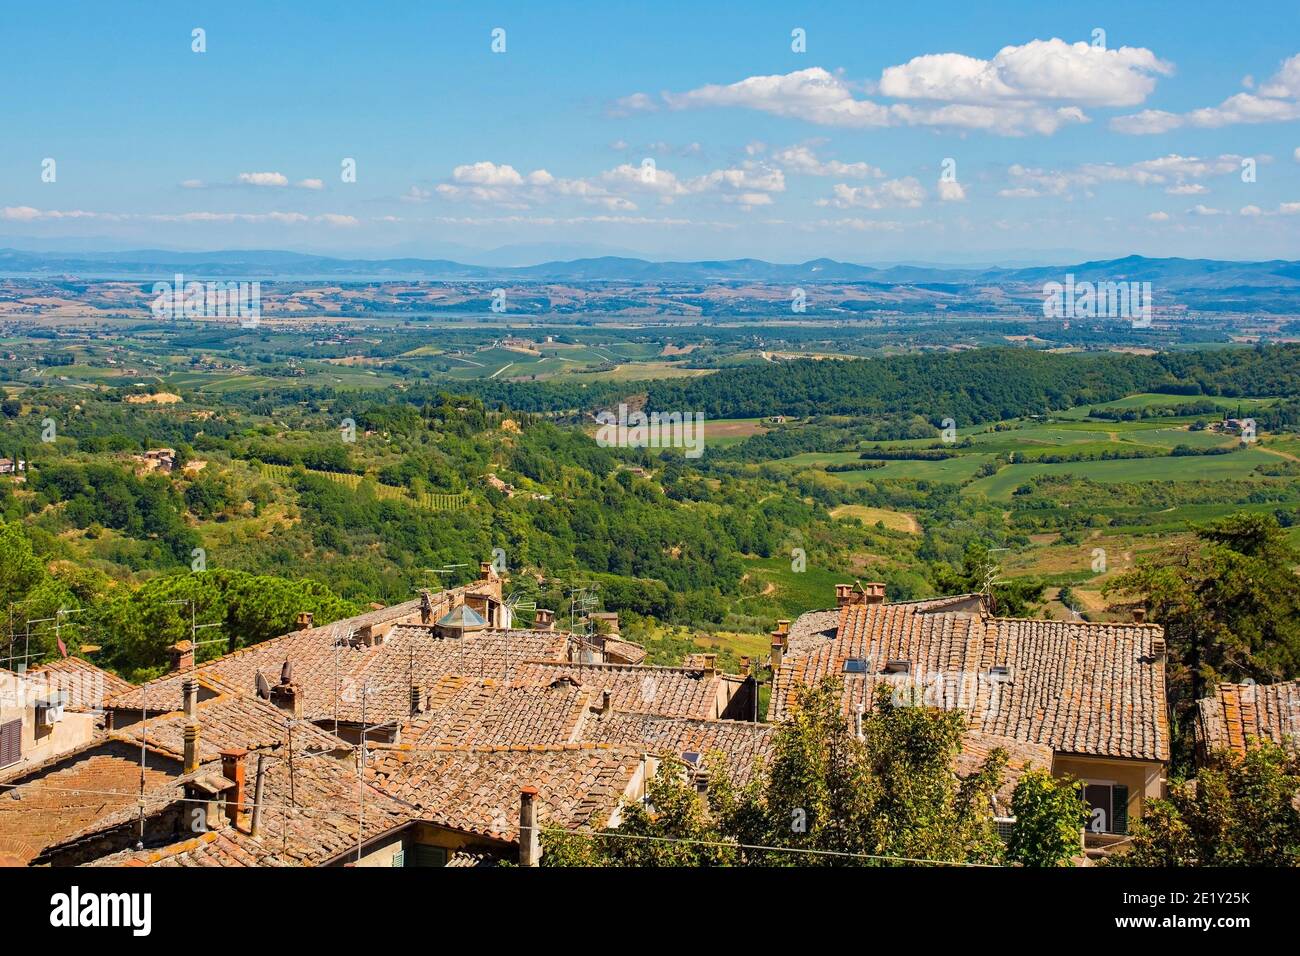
[
  {"x": 191, "y": 746},
  {"x": 305, "y": 619},
  {"x": 529, "y": 843},
  {"x": 873, "y": 592},
  {"x": 182, "y": 656},
  {"x": 417, "y": 699},
  {"x": 544, "y": 620},
  {"x": 287, "y": 698},
  {"x": 190, "y": 696},
  {"x": 744, "y": 667},
  {"x": 232, "y": 768},
  {"x": 1139, "y": 615}
]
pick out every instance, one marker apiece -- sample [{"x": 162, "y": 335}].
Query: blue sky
[{"x": 670, "y": 130}]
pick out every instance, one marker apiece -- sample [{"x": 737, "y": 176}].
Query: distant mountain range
[{"x": 1166, "y": 275}]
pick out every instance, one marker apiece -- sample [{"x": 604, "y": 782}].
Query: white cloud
[
  {"x": 1177, "y": 173},
  {"x": 1158, "y": 216},
  {"x": 894, "y": 192},
  {"x": 801, "y": 159},
  {"x": 1039, "y": 70},
  {"x": 951, "y": 191},
  {"x": 263, "y": 179},
  {"x": 1276, "y": 101},
  {"x": 1037, "y": 87},
  {"x": 1251, "y": 211},
  {"x": 488, "y": 174},
  {"x": 311, "y": 184},
  {"x": 1202, "y": 210}
]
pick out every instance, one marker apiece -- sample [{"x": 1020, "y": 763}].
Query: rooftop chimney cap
[{"x": 528, "y": 791}]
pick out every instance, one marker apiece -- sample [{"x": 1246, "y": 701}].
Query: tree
[
  {"x": 1050, "y": 814},
  {"x": 827, "y": 797},
  {"x": 1240, "y": 811},
  {"x": 1011, "y": 598},
  {"x": 673, "y": 827},
  {"x": 1229, "y": 603}
]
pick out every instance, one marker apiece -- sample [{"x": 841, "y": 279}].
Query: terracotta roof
[
  {"x": 745, "y": 746},
  {"x": 476, "y": 789},
  {"x": 624, "y": 652},
  {"x": 87, "y": 686},
  {"x": 464, "y": 711},
  {"x": 638, "y": 688},
  {"x": 1021, "y": 756},
  {"x": 70, "y": 794},
  {"x": 229, "y": 720},
  {"x": 334, "y": 676},
  {"x": 1238, "y": 716},
  {"x": 1076, "y": 687},
  {"x": 315, "y": 820}
]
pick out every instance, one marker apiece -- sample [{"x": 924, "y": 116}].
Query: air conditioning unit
[{"x": 49, "y": 712}]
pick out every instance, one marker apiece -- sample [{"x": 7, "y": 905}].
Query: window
[
  {"x": 857, "y": 665},
  {"x": 1108, "y": 807},
  {"x": 11, "y": 742},
  {"x": 399, "y": 858},
  {"x": 422, "y": 855},
  {"x": 898, "y": 667},
  {"x": 1000, "y": 672}
]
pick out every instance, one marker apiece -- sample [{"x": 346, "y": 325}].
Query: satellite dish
[{"x": 263, "y": 688}]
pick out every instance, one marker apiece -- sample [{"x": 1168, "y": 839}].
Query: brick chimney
[
  {"x": 544, "y": 619},
  {"x": 780, "y": 641},
  {"x": 191, "y": 746},
  {"x": 873, "y": 592},
  {"x": 288, "y": 698},
  {"x": 487, "y": 571},
  {"x": 232, "y": 768},
  {"x": 304, "y": 620},
  {"x": 844, "y": 595},
  {"x": 606, "y": 702},
  {"x": 744, "y": 667},
  {"x": 529, "y": 845},
  {"x": 1139, "y": 615},
  {"x": 418, "y": 700},
  {"x": 182, "y": 655}
]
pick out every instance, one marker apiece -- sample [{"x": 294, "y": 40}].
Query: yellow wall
[{"x": 1145, "y": 779}]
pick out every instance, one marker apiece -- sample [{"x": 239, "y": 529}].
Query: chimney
[
  {"x": 487, "y": 571},
  {"x": 288, "y": 699},
  {"x": 232, "y": 768},
  {"x": 182, "y": 655},
  {"x": 304, "y": 620},
  {"x": 417, "y": 699},
  {"x": 606, "y": 702},
  {"x": 529, "y": 845},
  {"x": 426, "y": 606},
  {"x": 844, "y": 595},
  {"x": 873, "y": 592},
  {"x": 1139, "y": 615},
  {"x": 255, "y": 824},
  {"x": 544, "y": 619},
  {"x": 190, "y": 696},
  {"x": 744, "y": 667},
  {"x": 191, "y": 746}
]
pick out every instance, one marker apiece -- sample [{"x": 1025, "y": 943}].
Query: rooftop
[
  {"x": 1079, "y": 688},
  {"x": 1239, "y": 716}
]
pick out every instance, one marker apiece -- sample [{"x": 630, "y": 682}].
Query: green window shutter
[
  {"x": 399, "y": 858},
  {"x": 1120, "y": 824}
]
